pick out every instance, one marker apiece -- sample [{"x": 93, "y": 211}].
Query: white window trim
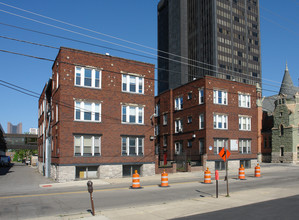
[
  {"x": 219, "y": 141},
  {"x": 178, "y": 125},
  {"x": 242, "y": 97},
  {"x": 136, "y": 146},
  {"x": 247, "y": 122},
  {"x": 57, "y": 79},
  {"x": 82, "y": 109},
  {"x": 201, "y": 119},
  {"x": 248, "y": 146},
  {"x": 93, "y": 77},
  {"x": 224, "y": 97},
  {"x": 92, "y": 146},
  {"x": 178, "y": 103},
  {"x": 201, "y": 97},
  {"x": 137, "y": 109},
  {"x": 220, "y": 118},
  {"x": 127, "y": 82},
  {"x": 165, "y": 119}
]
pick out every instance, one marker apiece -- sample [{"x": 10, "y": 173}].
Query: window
[
  {"x": 178, "y": 103},
  {"x": 132, "y": 146},
  {"x": 244, "y": 146},
  {"x": 244, "y": 101},
  {"x": 157, "y": 109},
  {"x": 281, "y": 151},
  {"x": 189, "y": 143},
  {"x": 189, "y": 119},
  {"x": 219, "y": 144},
  {"x": 87, "y": 111},
  {"x": 178, "y": 148},
  {"x": 133, "y": 84},
  {"x": 220, "y": 121},
  {"x": 165, "y": 119},
  {"x": 220, "y": 97},
  {"x": 245, "y": 163},
  {"x": 164, "y": 140},
  {"x": 57, "y": 79},
  {"x": 201, "y": 121},
  {"x": 281, "y": 130},
  {"x": 87, "y": 145},
  {"x": 157, "y": 130},
  {"x": 56, "y": 113},
  {"x": 178, "y": 125},
  {"x": 87, "y": 77},
  {"x": 201, "y": 96},
  {"x": 189, "y": 95},
  {"x": 219, "y": 165},
  {"x": 244, "y": 123},
  {"x": 132, "y": 114}
]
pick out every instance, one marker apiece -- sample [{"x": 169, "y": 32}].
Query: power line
[{"x": 162, "y": 57}]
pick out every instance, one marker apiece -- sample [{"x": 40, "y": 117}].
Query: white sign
[{"x": 234, "y": 145}]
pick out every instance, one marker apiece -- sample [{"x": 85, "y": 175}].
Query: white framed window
[
  {"x": 201, "y": 96},
  {"x": 56, "y": 113},
  {"x": 189, "y": 95},
  {"x": 220, "y": 97},
  {"x": 178, "y": 125},
  {"x": 88, "y": 77},
  {"x": 201, "y": 121},
  {"x": 132, "y": 146},
  {"x": 178, "y": 103},
  {"x": 220, "y": 143},
  {"x": 244, "y": 100},
  {"x": 189, "y": 119},
  {"x": 220, "y": 121},
  {"x": 133, "y": 84},
  {"x": 244, "y": 146},
  {"x": 157, "y": 130},
  {"x": 57, "y": 79},
  {"x": 165, "y": 119},
  {"x": 87, "y": 111},
  {"x": 244, "y": 123},
  {"x": 157, "y": 109},
  {"x": 178, "y": 147},
  {"x": 132, "y": 114},
  {"x": 164, "y": 140},
  {"x": 87, "y": 145}
]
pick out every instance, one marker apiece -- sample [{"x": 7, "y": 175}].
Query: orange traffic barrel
[
  {"x": 207, "y": 177},
  {"x": 242, "y": 173},
  {"x": 257, "y": 171},
  {"x": 164, "y": 179},
  {"x": 135, "y": 181}
]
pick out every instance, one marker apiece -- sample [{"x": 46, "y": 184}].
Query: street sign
[{"x": 224, "y": 154}]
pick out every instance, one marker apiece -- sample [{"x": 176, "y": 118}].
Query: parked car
[{"x": 4, "y": 161}]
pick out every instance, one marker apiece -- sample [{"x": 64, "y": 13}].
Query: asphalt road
[{"x": 21, "y": 198}]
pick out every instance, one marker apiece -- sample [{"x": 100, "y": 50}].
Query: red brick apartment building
[
  {"x": 95, "y": 117},
  {"x": 195, "y": 121}
]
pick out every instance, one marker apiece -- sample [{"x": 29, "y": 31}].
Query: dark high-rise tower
[{"x": 208, "y": 37}]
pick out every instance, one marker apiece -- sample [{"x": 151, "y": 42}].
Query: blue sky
[{"x": 131, "y": 20}]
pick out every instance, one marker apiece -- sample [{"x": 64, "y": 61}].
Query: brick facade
[
  {"x": 110, "y": 97},
  {"x": 193, "y": 134}
]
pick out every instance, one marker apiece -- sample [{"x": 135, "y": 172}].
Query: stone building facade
[
  {"x": 95, "y": 117},
  {"x": 285, "y": 131}
]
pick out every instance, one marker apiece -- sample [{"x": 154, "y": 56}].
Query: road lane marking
[{"x": 79, "y": 192}]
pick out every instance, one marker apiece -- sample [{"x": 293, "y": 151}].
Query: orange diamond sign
[{"x": 224, "y": 154}]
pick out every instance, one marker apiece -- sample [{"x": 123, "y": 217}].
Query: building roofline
[{"x": 98, "y": 54}]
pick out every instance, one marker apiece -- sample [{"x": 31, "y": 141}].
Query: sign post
[{"x": 224, "y": 154}]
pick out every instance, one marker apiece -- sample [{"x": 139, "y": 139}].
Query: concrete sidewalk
[{"x": 198, "y": 175}]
